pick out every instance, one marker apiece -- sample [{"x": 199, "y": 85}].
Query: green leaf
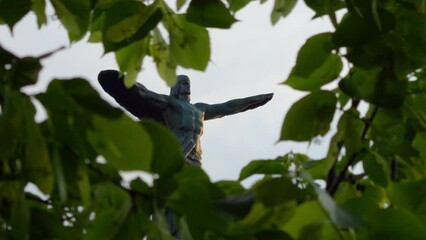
[
  {"x": 167, "y": 156},
  {"x": 419, "y": 143},
  {"x": 276, "y": 191},
  {"x": 12, "y": 12},
  {"x": 401, "y": 195},
  {"x": 324, "y": 7},
  {"x": 281, "y": 9},
  {"x": 350, "y": 128},
  {"x": 130, "y": 59},
  {"x": 83, "y": 184},
  {"x": 179, "y": 4},
  {"x": 11, "y": 122},
  {"x": 275, "y": 166},
  {"x": 355, "y": 30},
  {"x": 337, "y": 215},
  {"x": 196, "y": 188},
  {"x": 37, "y": 164},
  {"x": 236, "y": 5},
  {"x": 39, "y": 8},
  {"x": 376, "y": 168},
  {"x": 132, "y": 23},
  {"x": 189, "y": 44},
  {"x": 298, "y": 220},
  {"x": 309, "y": 117},
  {"x": 24, "y": 72},
  {"x": 212, "y": 13},
  {"x": 123, "y": 142},
  {"x": 114, "y": 206},
  {"x": 237, "y": 205},
  {"x": 166, "y": 65},
  {"x": 310, "y": 73},
  {"x": 394, "y": 224},
  {"x": 375, "y": 85},
  {"x": 74, "y": 15}
]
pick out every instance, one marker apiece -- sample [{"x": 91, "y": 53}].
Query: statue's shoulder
[{"x": 201, "y": 106}]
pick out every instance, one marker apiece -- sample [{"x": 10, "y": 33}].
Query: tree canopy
[{"x": 375, "y": 56}]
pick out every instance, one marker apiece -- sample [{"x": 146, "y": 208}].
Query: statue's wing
[{"x": 132, "y": 99}]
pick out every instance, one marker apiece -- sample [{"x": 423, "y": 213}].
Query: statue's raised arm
[
  {"x": 138, "y": 100},
  {"x": 213, "y": 111}
]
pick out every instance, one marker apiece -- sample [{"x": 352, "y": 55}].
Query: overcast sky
[{"x": 251, "y": 58}]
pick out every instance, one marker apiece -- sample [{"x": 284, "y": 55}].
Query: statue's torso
[{"x": 186, "y": 121}]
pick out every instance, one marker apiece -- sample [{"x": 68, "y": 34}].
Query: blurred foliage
[{"x": 372, "y": 179}]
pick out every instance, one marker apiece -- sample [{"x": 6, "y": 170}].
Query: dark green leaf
[
  {"x": 394, "y": 224},
  {"x": 354, "y": 30},
  {"x": 11, "y": 122},
  {"x": 322, "y": 7},
  {"x": 189, "y": 44},
  {"x": 24, "y": 72},
  {"x": 263, "y": 167},
  {"x": 37, "y": 160},
  {"x": 281, "y": 9},
  {"x": 410, "y": 196},
  {"x": 378, "y": 86},
  {"x": 237, "y": 205},
  {"x": 272, "y": 235},
  {"x": 132, "y": 23},
  {"x": 309, "y": 117},
  {"x": 74, "y": 15},
  {"x": 167, "y": 156},
  {"x": 12, "y": 12},
  {"x": 123, "y": 142},
  {"x": 212, "y": 13},
  {"x": 310, "y": 73}
]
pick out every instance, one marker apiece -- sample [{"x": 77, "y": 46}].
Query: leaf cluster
[{"x": 370, "y": 185}]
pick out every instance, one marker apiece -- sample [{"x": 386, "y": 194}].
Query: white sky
[{"x": 251, "y": 58}]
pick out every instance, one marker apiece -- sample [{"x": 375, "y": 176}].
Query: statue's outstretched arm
[
  {"x": 138, "y": 100},
  {"x": 213, "y": 111}
]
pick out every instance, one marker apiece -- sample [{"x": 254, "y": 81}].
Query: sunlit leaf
[
  {"x": 189, "y": 44},
  {"x": 310, "y": 73},
  {"x": 309, "y": 117},
  {"x": 211, "y": 13},
  {"x": 130, "y": 59},
  {"x": 160, "y": 51}
]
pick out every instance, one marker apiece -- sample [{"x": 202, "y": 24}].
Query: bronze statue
[{"x": 175, "y": 111}]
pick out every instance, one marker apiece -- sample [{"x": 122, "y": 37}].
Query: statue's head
[{"x": 182, "y": 88}]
